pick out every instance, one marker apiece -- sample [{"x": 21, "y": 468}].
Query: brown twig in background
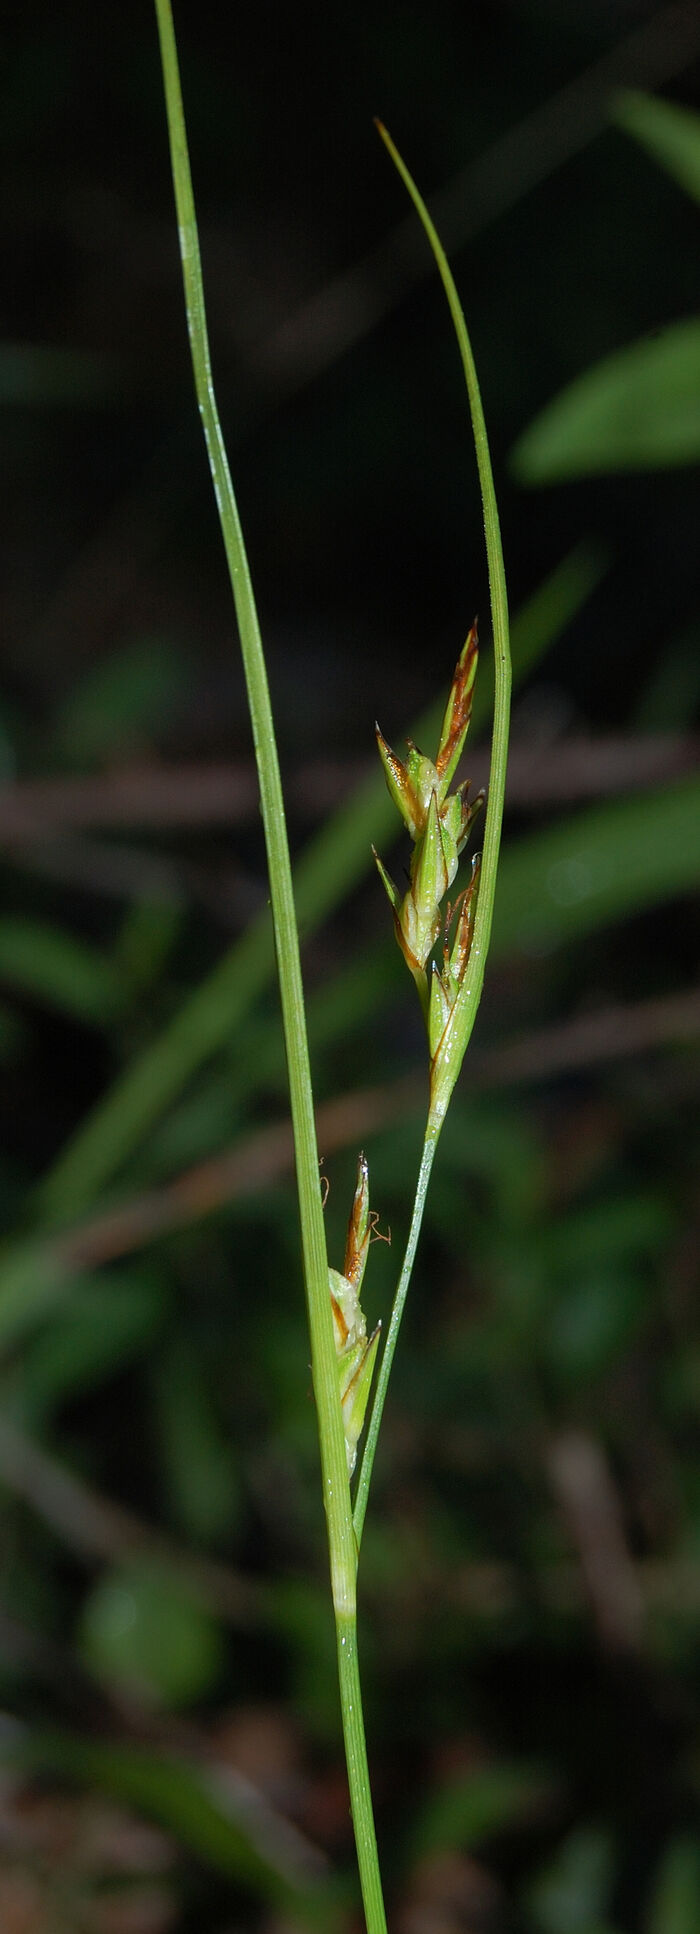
[
  {"x": 612, "y": 1033},
  {"x": 608, "y": 1034},
  {"x": 188, "y": 797},
  {"x": 262, "y": 1158},
  {"x": 90, "y": 1525},
  {"x": 97, "y": 1530},
  {"x": 583, "y": 1485},
  {"x": 146, "y": 796}
]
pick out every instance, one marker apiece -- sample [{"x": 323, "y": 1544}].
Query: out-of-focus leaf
[
  {"x": 225, "y": 1825},
  {"x": 51, "y": 966},
  {"x": 470, "y": 1810},
  {"x": 637, "y": 410},
  {"x": 490, "y": 1140},
  {"x": 32, "y": 1280},
  {"x": 107, "y": 1321},
  {"x": 597, "y": 867},
  {"x": 623, "y": 1227},
  {"x": 209, "y": 1114},
  {"x": 670, "y": 133},
  {"x": 141, "y": 1630},
  {"x": 572, "y": 1893},
  {"x": 675, "y": 1904},
  {"x": 123, "y": 703},
  {"x": 592, "y": 1321},
  {"x": 147, "y": 936}
]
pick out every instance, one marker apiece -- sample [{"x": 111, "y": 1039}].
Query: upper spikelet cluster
[{"x": 439, "y": 823}]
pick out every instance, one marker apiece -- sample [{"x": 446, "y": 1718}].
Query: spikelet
[
  {"x": 439, "y": 823},
  {"x": 356, "y": 1352}
]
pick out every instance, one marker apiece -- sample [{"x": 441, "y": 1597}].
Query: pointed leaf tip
[
  {"x": 455, "y": 724},
  {"x": 391, "y": 891}
]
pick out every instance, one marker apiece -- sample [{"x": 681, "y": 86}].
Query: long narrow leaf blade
[{"x": 671, "y": 134}]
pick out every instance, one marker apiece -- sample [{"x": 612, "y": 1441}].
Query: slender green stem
[
  {"x": 335, "y": 1484},
  {"x": 336, "y": 1490},
  {"x": 356, "y": 1761},
  {"x": 449, "y": 1056},
  {"x": 464, "y": 1014},
  {"x": 429, "y": 1146}
]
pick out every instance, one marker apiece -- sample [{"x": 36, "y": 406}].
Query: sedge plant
[{"x": 438, "y": 820}]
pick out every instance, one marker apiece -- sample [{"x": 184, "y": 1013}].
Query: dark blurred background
[{"x": 170, "y": 1730}]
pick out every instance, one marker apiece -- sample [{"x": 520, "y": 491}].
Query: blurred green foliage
[
  {"x": 640, "y": 408},
  {"x": 140, "y": 1630}
]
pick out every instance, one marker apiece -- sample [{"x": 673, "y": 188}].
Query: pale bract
[{"x": 355, "y": 1351}]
